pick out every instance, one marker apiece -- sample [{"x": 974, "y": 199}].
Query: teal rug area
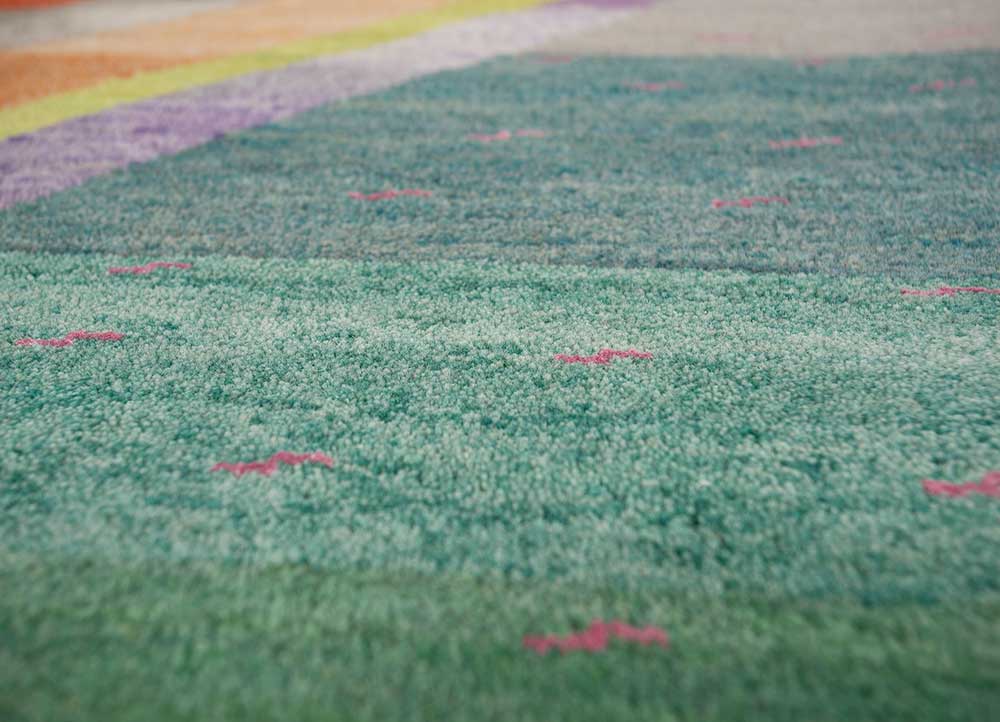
[
  {"x": 622, "y": 176},
  {"x": 776, "y": 441},
  {"x": 170, "y": 642},
  {"x": 755, "y": 487}
]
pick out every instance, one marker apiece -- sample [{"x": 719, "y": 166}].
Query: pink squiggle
[
  {"x": 939, "y": 85},
  {"x": 487, "y": 138},
  {"x": 70, "y": 338},
  {"x": 268, "y": 467},
  {"x": 148, "y": 268},
  {"x": 989, "y": 485},
  {"x": 804, "y": 142},
  {"x": 727, "y": 38},
  {"x": 603, "y": 356},
  {"x": 596, "y": 637},
  {"x": 384, "y": 195},
  {"x": 749, "y": 202},
  {"x": 507, "y": 135},
  {"x": 657, "y": 87},
  {"x": 949, "y": 291}
]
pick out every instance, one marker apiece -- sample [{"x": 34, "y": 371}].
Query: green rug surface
[{"x": 801, "y": 264}]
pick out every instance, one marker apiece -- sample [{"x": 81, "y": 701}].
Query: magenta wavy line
[
  {"x": 596, "y": 637},
  {"x": 507, "y": 135},
  {"x": 805, "y": 142},
  {"x": 749, "y": 202},
  {"x": 269, "y": 466},
  {"x": 989, "y": 485},
  {"x": 385, "y": 195},
  {"x": 656, "y": 87},
  {"x": 604, "y": 356},
  {"x": 950, "y": 291},
  {"x": 70, "y": 338},
  {"x": 938, "y": 85},
  {"x": 148, "y": 268}
]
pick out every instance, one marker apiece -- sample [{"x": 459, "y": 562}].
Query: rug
[{"x": 500, "y": 360}]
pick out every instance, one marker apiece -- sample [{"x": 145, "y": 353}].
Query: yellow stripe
[{"x": 63, "y": 106}]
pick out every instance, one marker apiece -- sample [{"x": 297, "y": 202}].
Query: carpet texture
[{"x": 504, "y": 362}]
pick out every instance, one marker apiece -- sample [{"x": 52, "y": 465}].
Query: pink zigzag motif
[
  {"x": 749, "y": 202},
  {"x": 657, "y": 87},
  {"x": 989, "y": 485},
  {"x": 507, "y": 135},
  {"x": 938, "y": 85},
  {"x": 950, "y": 291},
  {"x": 595, "y": 638},
  {"x": 383, "y": 195},
  {"x": 69, "y": 338},
  {"x": 603, "y": 356},
  {"x": 804, "y": 142},
  {"x": 268, "y": 467},
  {"x": 148, "y": 268}
]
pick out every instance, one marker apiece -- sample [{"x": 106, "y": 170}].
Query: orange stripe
[
  {"x": 76, "y": 63},
  {"x": 25, "y": 76}
]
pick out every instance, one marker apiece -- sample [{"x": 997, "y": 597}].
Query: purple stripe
[{"x": 67, "y": 154}]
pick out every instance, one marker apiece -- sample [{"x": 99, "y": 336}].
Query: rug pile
[{"x": 499, "y": 360}]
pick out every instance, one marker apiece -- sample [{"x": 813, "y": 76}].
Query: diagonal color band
[
  {"x": 57, "y": 108},
  {"x": 21, "y": 29},
  {"x": 67, "y": 154},
  {"x": 205, "y": 30}
]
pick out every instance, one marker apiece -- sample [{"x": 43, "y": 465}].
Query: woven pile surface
[{"x": 352, "y": 369}]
